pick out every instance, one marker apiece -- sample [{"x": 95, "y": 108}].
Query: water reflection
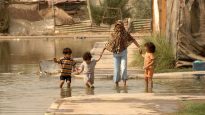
[
  {"x": 29, "y": 94},
  {"x": 67, "y": 92},
  {"x": 31, "y": 51},
  {"x": 5, "y": 54},
  {"x": 121, "y": 89},
  {"x": 89, "y": 91},
  {"x": 148, "y": 89}
]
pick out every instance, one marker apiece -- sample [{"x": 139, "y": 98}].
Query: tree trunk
[
  {"x": 185, "y": 30},
  {"x": 191, "y": 42},
  {"x": 89, "y": 11}
]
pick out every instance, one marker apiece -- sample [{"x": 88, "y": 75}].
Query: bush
[
  {"x": 142, "y": 9},
  {"x": 98, "y": 11},
  {"x": 164, "y": 56}
]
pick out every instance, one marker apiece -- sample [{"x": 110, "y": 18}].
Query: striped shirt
[{"x": 67, "y": 65}]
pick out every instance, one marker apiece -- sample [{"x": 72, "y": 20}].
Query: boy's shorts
[{"x": 66, "y": 78}]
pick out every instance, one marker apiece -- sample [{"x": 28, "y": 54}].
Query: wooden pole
[
  {"x": 163, "y": 17},
  {"x": 53, "y": 15},
  {"x": 89, "y": 11},
  {"x": 152, "y": 14}
]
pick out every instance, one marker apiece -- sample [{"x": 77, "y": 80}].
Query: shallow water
[
  {"x": 31, "y": 51},
  {"x": 28, "y": 94},
  {"x": 24, "y": 92}
]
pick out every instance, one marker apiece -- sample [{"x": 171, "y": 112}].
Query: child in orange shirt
[{"x": 149, "y": 63}]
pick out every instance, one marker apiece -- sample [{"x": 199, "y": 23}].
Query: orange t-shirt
[{"x": 148, "y": 59}]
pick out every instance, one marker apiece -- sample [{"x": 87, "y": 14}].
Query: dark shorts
[{"x": 65, "y": 78}]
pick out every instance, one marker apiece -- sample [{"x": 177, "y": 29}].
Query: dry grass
[{"x": 165, "y": 59}]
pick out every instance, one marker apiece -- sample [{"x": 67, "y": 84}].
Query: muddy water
[
  {"x": 29, "y": 94},
  {"x": 33, "y": 50},
  {"x": 23, "y": 92}
]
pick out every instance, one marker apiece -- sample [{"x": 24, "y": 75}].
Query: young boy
[
  {"x": 149, "y": 63},
  {"x": 88, "y": 68},
  {"x": 67, "y": 66}
]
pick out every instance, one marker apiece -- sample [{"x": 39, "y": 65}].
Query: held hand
[
  {"x": 55, "y": 60},
  {"x": 77, "y": 73},
  {"x": 140, "y": 51}
]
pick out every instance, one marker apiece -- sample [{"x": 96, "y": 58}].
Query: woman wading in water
[{"x": 118, "y": 44}]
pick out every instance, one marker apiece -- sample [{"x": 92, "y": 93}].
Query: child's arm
[
  {"x": 150, "y": 64},
  {"x": 140, "y": 51},
  {"x": 56, "y": 61},
  {"x": 74, "y": 65},
  {"x": 136, "y": 43},
  {"x": 99, "y": 58},
  {"x": 81, "y": 69},
  {"x": 101, "y": 55}
]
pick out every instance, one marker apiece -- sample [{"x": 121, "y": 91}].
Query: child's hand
[
  {"x": 145, "y": 67},
  {"x": 55, "y": 60},
  {"x": 140, "y": 51}
]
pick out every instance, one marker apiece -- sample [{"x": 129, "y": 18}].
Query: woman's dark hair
[
  {"x": 87, "y": 56},
  {"x": 119, "y": 25},
  {"x": 150, "y": 46},
  {"x": 67, "y": 51}
]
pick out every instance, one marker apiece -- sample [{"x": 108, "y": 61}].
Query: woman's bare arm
[{"x": 136, "y": 43}]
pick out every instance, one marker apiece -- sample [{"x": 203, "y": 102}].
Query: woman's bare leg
[{"x": 125, "y": 83}]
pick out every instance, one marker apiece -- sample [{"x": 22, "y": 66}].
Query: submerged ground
[
  {"x": 24, "y": 92},
  {"x": 29, "y": 94}
]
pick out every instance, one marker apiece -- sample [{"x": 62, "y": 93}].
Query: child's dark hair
[
  {"x": 87, "y": 56},
  {"x": 150, "y": 47},
  {"x": 67, "y": 51}
]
